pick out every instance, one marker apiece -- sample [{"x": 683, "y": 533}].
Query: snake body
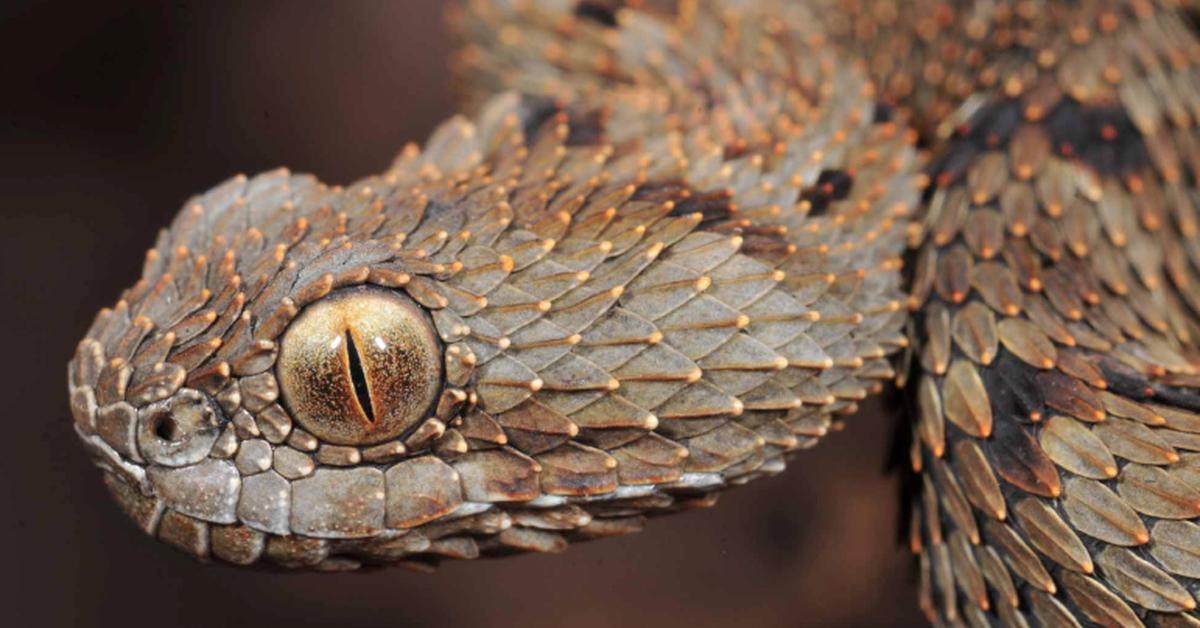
[
  {"x": 664, "y": 252},
  {"x": 1055, "y": 383}
]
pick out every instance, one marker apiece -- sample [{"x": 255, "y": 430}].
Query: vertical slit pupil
[{"x": 359, "y": 378}]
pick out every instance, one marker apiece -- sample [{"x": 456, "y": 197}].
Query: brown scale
[
  {"x": 567, "y": 313},
  {"x": 1055, "y": 302}
]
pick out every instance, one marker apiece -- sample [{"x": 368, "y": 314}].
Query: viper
[{"x": 669, "y": 244}]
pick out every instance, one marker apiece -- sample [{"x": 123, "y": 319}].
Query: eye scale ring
[{"x": 360, "y": 366}]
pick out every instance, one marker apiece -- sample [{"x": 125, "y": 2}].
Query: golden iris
[{"x": 360, "y": 366}]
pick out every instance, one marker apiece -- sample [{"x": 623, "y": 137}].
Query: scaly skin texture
[
  {"x": 669, "y": 258},
  {"x": 1055, "y": 378},
  {"x": 640, "y": 295}
]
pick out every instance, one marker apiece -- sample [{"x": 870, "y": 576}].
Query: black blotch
[
  {"x": 995, "y": 125},
  {"x": 836, "y": 183},
  {"x": 832, "y": 185},
  {"x": 1123, "y": 380},
  {"x": 1011, "y": 386},
  {"x": 600, "y": 12},
  {"x": 586, "y": 128},
  {"x": 359, "y": 378},
  {"x": 817, "y": 202},
  {"x": 1102, "y": 156},
  {"x": 535, "y": 112},
  {"x": 659, "y": 191},
  {"x": 1067, "y": 128},
  {"x": 711, "y": 205},
  {"x": 1015, "y": 455},
  {"x": 1187, "y": 398},
  {"x": 884, "y": 112},
  {"x": 1132, "y": 155},
  {"x": 1191, "y": 16},
  {"x": 1101, "y": 136},
  {"x": 953, "y": 163}
]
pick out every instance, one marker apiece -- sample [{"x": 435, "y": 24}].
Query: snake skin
[
  {"x": 723, "y": 185},
  {"x": 1055, "y": 386},
  {"x": 641, "y": 297}
]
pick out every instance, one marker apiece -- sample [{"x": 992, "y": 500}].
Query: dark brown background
[{"x": 111, "y": 115}]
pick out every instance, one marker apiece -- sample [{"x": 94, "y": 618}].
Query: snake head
[
  {"x": 540, "y": 328},
  {"x": 226, "y": 414}
]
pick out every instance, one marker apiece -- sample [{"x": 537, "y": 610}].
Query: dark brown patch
[
  {"x": 1101, "y": 136},
  {"x": 599, "y": 12},
  {"x": 1010, "y": 386},
  {"x": 535, "y": 112},
  {"x": 713, "y": 206},
  {"x": 668, "y": 190},
  {"x": 832, "y": 185}
]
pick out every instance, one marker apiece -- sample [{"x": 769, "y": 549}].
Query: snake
[{"x": 668, "y": 245}]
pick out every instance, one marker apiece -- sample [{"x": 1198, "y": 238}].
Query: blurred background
[{"x": 112, "y": 114}]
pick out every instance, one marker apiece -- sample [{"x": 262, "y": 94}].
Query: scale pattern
[
  {"x": 643, "y": 295},
  {"x": 1055, "y": 383}
]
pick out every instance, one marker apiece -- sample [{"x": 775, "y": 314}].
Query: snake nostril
[
  {"x": 179, "y": 430},
  {"x": 166, "y": 428}
]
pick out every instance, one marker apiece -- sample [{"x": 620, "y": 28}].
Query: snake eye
[{"x": 360, "y": 366}]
